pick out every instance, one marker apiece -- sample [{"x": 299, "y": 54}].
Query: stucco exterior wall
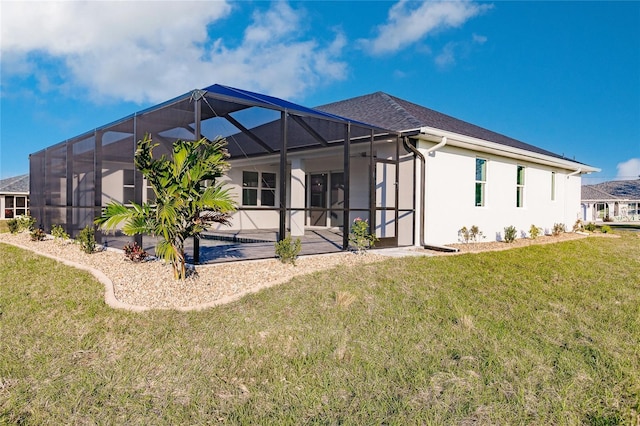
[{"x": 450, "y": 196}]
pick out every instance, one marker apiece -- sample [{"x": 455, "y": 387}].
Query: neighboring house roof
[
  {"x": 386, "y": 111},
  {"x": 591, "y": 193},
  {"x": 16, "y": 184},
  {"x": 629, "y": 189}
]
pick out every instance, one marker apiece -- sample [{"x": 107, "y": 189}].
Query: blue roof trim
[{"x": 281, "y": 104}]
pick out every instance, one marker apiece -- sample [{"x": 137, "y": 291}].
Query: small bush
[
  {"x": 472, "y": 234},
  {"x": 359, "y": 237},
  {"x": 287, "y": 251},
  {"x": 464, "y": 235},
  {"x": 13, "y": 225},
  {"x": 510, "y": 233},
  {"x": 58, "y": 232},
  {"x": 21, "y": 223},
  {"x": 475, "y": 232},
  {"x": 578, "y": 226},
  {"x": 605, "y": 229},
  {"x": 590, "y": 227},
  {"x": 38, "y": 235},
  {"x": 534, "y": 232},
  {"x": 558, "y": 228},
  {"x": 134, "y": 252},
  {"x": 26, "y": 223},
  {"x": 87, "y": 239}
]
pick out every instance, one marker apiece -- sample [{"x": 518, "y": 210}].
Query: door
[
  {"x": 337, "y": 199},
  {"x": 318, "y": 199},
  {"x": 386, "y": 203}
]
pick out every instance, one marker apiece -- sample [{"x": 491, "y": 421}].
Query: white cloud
[
  {"x": 151, "y": 51},
  {"x": 629, "y": 170},
  {"x": 447, "y": 56},
  {"x": 453, "y": 49},
  {"x": 479, "y": 39},
  {"x": 407, "y": 24}
]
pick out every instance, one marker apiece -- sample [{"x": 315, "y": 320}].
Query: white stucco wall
[{"x": 450, "y": 196}]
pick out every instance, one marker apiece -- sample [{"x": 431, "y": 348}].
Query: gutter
[
  {"x": 420, "y": 156},
  {"x": 432, "y": 134}
]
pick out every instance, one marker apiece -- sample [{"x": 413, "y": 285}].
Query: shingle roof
[
  {"x": 629, "y": 189},
  {"x": 15, "y": 184},
  {"x": 386, "y": 111},
  {"x": 590, "y": 192}
]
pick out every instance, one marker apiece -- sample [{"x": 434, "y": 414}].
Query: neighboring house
[
  {"x": 14, "y": 196},
  {"x": 416, "y": 175},
  {"x": 615, "y": 201}
]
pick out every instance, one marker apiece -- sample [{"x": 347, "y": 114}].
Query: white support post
[{"x": 298, "y": 197}]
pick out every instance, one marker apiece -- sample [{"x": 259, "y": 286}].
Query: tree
[{"x": 184, "y": 207}]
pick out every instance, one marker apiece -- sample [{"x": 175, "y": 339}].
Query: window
[
  {"x": 15, "y": 206},
  {"x": 481, "y": 180},
  {"x": 258, "y": 189},
  {"x": 553, "y": 186},
  {"x": 520, "y": 187}
]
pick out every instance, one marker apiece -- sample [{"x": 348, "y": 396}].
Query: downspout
[
  {"x": 421, "y": 157},
  {"x": 575, "y": 173},
  {"x": 442, "y": 143}
]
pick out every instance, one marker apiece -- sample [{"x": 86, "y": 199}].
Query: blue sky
[{"x": 564, "y": 76}]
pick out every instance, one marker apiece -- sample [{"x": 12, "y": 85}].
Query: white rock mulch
[{"x": 150, "y": 285}]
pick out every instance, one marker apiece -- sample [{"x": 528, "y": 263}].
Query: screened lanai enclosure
[{"x": 294, "y": 171}]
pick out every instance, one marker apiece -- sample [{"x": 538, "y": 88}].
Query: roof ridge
[{"x": 410, "y": 117}]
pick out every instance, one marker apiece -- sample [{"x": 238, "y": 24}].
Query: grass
[{"x": 538, "y": 335}]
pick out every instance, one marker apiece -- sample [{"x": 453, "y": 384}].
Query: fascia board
[{"x": 480, "y": 145}]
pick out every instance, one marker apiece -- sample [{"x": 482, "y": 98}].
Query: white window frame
[
  {"x": 259, "y": 189},
  {"x": 24, "y": 210},
  {"x": 520, "y": 185},
  {"x": 553, "y": 186},
  {"x": 481, "y": 182}
]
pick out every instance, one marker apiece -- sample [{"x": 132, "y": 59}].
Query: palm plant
[{"x": 184, "y": 207}]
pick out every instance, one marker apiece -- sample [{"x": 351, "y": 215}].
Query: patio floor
[{"x": 227, "y": 246}]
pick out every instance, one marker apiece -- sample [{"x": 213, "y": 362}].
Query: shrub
[
  {"x": 360, "y": 237},
  {"x": 26, "y": 222},
  {"x": 534, "y": 232},
  {"x": 21, "y": 223},
  {"x": 134, "y": 252},
  {"x": 558, "y": 228},
  {"x": 38, "y": 235},
  {"x": 13, "y": 226},
  {"x": 464, "y": 235},
  {"x": 605, "y": 229},
  {"x": 590, "y": 227},
  {"x": 87, "y": 239},
  {"x": 58, "y": 232},
  {"x": 510, "y": 233},
  {"x": 475, "y": 232},
  {"x": 578, "y": 226},
  {"x": 287, "y": 251}
]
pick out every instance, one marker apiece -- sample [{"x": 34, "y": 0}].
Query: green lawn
[{"x": 539, "y": 335}]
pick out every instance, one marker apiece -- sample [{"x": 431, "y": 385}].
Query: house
[
  {"x": 14, "y": 196},
  {"x": 614, "y": 201},
  {"x": 416, "y": 175}
]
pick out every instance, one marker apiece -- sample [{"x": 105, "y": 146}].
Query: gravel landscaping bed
[{"x": 150, "y": 284}]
